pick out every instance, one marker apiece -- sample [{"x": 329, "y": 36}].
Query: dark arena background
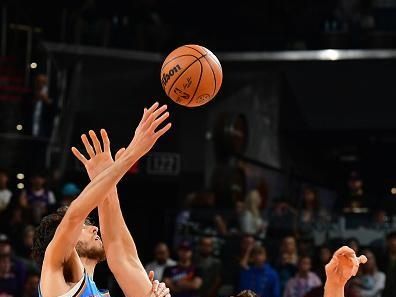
[{"x": 296, "y": 153}]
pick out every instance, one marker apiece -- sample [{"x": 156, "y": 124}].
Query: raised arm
[
  {"x": 67, "y": 233},
  {"x": 119, "y": 246},
  {"x": 340, "y": 269}
]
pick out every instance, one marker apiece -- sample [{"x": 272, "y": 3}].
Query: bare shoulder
[{"x": 58, "y": 280}]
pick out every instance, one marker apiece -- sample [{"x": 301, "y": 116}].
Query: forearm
[
  {"x": 115, "y": 233},
  {"x": 121, "y": 250},
  {"x": 333, "y": 290}
]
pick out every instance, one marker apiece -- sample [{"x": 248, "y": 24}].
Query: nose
[{"x": 95, "y": 229}]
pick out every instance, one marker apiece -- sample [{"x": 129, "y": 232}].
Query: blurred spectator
[
  {"x": 355, "y": 200},
  {"x": 5, "y": 193},
  {"x": 162, "y": 260},
  {"x": 210, "y": 267},
  {"x": 37, "y": 198},
  {"x": 232, "y": 255},
  {"x": 354, "y": 244},
  {"x": 39, "y": 109},
  {"x": 370, "y": 281},
  {"x": 184, "y": 279},
  {"x": 389, "y": 266},
  {"x": 31, "y": 285},
  {"x": 70, "y": 191},
  {"x": 25, "y": 247},
  {"x": 282, "y": 218},
  {"x": 251, "y": 218},
  {"x": 325, "y": 255},
  {"x": 228, "y": 223},
  {"x": 310, "y": 213},
  {"x": 12, "y": 272},
  {"x": 285, "y": 270},
  {"x": 15, "y": 222},
  {"x": 260, "y": 276},
  {"x": 304, "y": 281},
  {"x": 288, "y": 250}
]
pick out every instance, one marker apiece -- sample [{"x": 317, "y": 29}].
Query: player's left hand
[
  {"x": 159, "y": 289},
  {"x": 99, "y": 157}
]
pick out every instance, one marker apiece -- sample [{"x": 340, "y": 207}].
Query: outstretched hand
[
  {"x": 343, "y": 266},
  {"x": 99, "y": 156},
  {"x": 146, "y": 134},
  {"x": 144, "y": 139}
]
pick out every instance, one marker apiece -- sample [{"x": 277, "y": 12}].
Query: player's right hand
[
  {"x": 343, "y": 266},
  {"x": 146, "y": 134}
]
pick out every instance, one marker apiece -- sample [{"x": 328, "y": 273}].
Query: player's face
[{"x": 90, "y": 244}]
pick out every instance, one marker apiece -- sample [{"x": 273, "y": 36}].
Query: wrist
[{"x": 333, "y": 288}]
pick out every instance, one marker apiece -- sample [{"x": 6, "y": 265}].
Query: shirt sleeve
[
  {"x": 276, "y": 286},
  {"x": 378, "y": 287}
]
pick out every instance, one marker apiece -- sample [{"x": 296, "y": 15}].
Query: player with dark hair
[{"x": 69, "y": 246}]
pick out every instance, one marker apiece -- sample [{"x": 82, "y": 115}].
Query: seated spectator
[
  {"x": 228, "y": 222},
  {"x": 12, "y": 272},
  {"x": 251, "y": 220},
  {"x": 37, "y": 197},
  {"x": 370, "y": 281},
  {"x": 162, "y": 260},
  {"x": 325, "y": 254},
  {"x": 260, "y": 276},
  {"x": 31, "y": 285},
  {"x": 282, "y": 219},
  {"x": 183, "y": 279},
  {"x": 288, "y": 250},
  {"x": 355, "y": 199},
  {"x": 209, "y": 266},
  {"x": 24, "y": 249},
  {"x": 70, "y": 191},
  {"x": 15, "y": 221},
  {"x": 309, "y": 214},
  {"x": 354, "y": 244},
  {"x": 389, "y": 266},
  {"x": 5, "y": 192},
  {"x": 304, "y": 281},
  {"x": 286, "y": 271},
  {"x": 232, "y": 256}
]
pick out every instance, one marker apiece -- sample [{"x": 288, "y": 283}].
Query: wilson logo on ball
[{"x": 167, "y": 76}]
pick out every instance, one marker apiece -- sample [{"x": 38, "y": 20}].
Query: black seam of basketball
[
  {"x": 214, "y": 75},
  {"x": 170, "y": 89},
  {"x": 196, "y": 50},
  {"x": 163, "y": 66},
  {"x": 199, "y": 81}
]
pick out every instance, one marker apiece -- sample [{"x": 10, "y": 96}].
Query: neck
[
  {"x": 303, "y": 274},
  {"x": 89, "y": 265}
]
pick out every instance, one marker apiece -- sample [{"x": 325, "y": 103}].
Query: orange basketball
[{"x": 191, "y": 75}]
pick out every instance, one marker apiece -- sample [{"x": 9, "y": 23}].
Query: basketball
[{"x": 191, "y": 75}]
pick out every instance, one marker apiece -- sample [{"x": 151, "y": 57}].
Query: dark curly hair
[
  {"x": 246, "y": 293},
  {"x": 44, "y": 233}
]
